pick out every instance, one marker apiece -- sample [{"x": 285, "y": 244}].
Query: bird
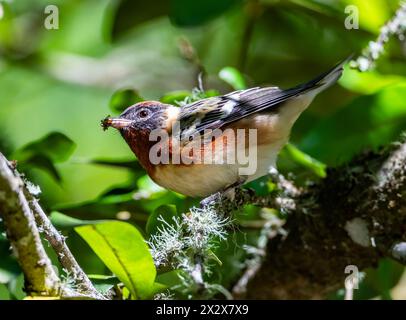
[{"x": 199, "y": 163}]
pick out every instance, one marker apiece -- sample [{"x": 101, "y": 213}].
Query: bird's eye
[{"x": 143, "y": 114}]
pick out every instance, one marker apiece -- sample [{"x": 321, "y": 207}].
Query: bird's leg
[
  {"x": 212, "y": 199},
  {"x": 229, "y": 191},
  {"x": 226, "y": 192}
]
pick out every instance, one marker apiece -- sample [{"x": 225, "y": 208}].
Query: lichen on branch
[{"x": 22, "y": 232}]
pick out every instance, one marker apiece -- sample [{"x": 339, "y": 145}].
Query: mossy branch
[
  {"x": 23, "y": 216},
  {"x": 22, "y": 232},
  {"x": 355, "y": 216},
  {"x": 65, "y": 256}
]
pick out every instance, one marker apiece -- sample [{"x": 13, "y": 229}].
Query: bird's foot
[
  {"x": 213, "y": 199},
  {"x": 228, "y": 192}
]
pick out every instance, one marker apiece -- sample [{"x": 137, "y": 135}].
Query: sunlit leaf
[
  {"x": 367, "y": 82},
  {"x": 367, "y": 122},
  {"x": 4, "y": 294},
  {"x": 62, "y": 221},
  {"x": 175, "y": 97},
  {"x": 233, "y": 77},
  {"x": 123, "y": 250},
  {"x": 304, "y": 160},
  {"x": 372, "y": 15},
  {"x": 102, "y": 282},
  {"x": 211, "y": 93},
  {"x": 180, "y": 97},
  {"x": 146, "y": 184}
]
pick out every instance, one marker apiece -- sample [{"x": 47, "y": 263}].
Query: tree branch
[
  {"x": 353, "y": 217},
  {"x": 40, "y": 277},
  {"x": 65, "y": 257},
  {"x": 21, "y": 215}
]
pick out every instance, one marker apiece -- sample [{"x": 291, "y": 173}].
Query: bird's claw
[{"x": 211, "y": 200}]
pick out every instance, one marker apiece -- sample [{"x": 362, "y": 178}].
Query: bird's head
[
  {"x": 138, "y": 121},
  {"x": 141, "y": 117}
]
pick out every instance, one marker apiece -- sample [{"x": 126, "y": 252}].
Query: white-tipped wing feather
[{"x": 213, "y": 113}]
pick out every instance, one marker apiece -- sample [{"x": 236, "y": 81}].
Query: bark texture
[
  {"x": 353, "y": 217},
  {"x": 22, "y": 232}
]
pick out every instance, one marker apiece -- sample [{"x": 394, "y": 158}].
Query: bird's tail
[{"x": 324, "y": 80}]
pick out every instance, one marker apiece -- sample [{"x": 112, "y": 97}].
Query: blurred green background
[{"x": 63, "y": 81}]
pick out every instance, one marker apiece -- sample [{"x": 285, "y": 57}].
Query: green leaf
[
  {"x": 126, "y": 293},
  {"x": 140, "y": 203},
  {"x": 372, "y": 14},
  {"x": 380, "y": 281},
  {"x": 233, "y": 77},
  {"x": 100, "y": 277},
  {"x": 174, "y": 97},
  {"x": 4, "y": 293},
  {"x": 42, "y": 162},
  {"x": 214, "y": 257},
  {"x": 123, "y": 250},
  {"x": 125, "y": 17},
  {"x": 211, "y": 93},
  {"x": 15, "y": 287},
  {"x": 169, "y": 279},
  {"x": 304, "y": 160},
  {"x": 62, "y": 221},
  {"x": 102, "y": 282},
  {"x": 188, "y": 13},
  {"x": 367, "y": 82},
  {"x": 166, "y": 211},
  {"x": 368, "y": 121},
  {"x": 179, "y": 97},
  {"x": 159, "y": 287},
  {"x": 55, "y": 146},
  {"x": 122, "y": 99},
  {"x": 132, "y": 164},
  {"x": 9, "y": 267},
  {"x": 43, "y": 153}
]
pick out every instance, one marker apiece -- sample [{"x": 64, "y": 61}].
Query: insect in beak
[{"x": 117, "y": 123}]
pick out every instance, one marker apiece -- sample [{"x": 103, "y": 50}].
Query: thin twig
[
  {"x": 270, "y": 229},
  {"x": 65, "y": 256},
  {"x": 395, "y": 26}
]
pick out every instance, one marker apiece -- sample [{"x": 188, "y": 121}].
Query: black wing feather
[{"x": 215, "y": 112}]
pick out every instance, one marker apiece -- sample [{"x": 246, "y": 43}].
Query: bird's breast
[
  {"x": 197, "y": 180},
  {"x": 245, "y": 151}
]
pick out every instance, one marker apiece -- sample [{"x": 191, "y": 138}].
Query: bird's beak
[{"x": 117, "y": 123}]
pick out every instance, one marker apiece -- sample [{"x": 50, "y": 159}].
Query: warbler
[{"x": 179, "y": 151}]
